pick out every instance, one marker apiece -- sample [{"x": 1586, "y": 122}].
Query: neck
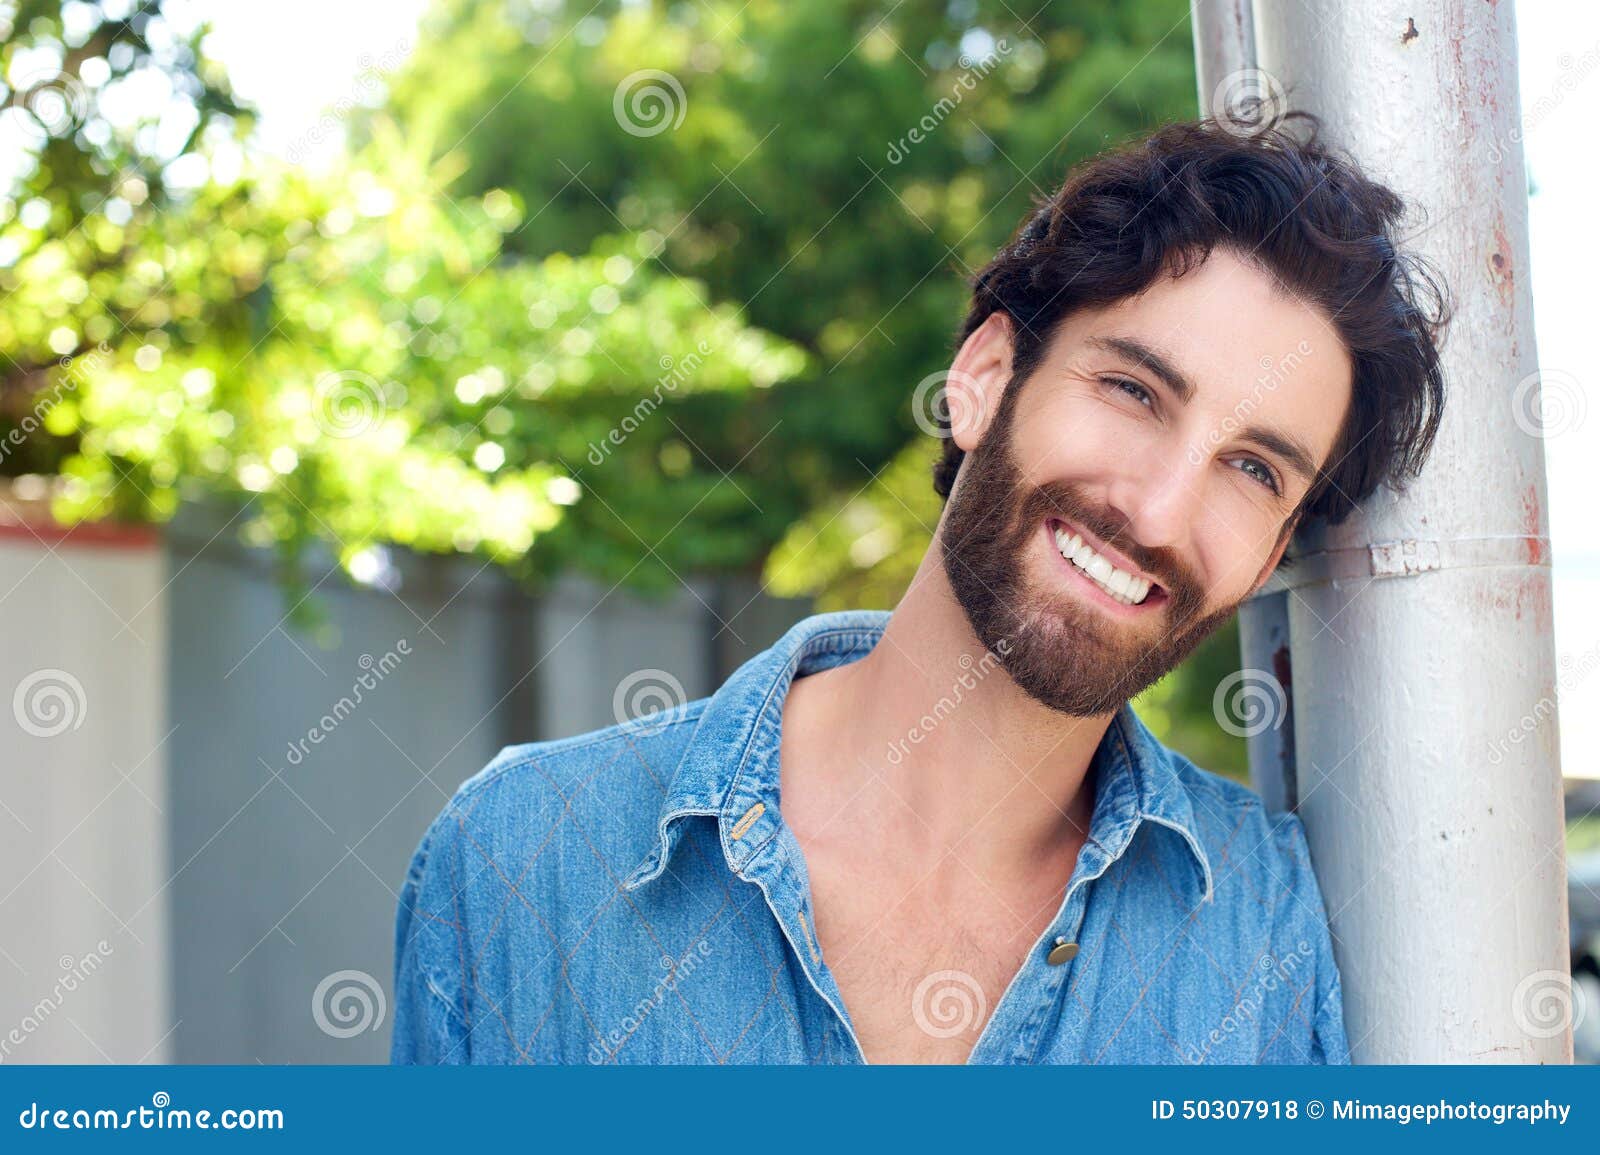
[{"x": 948, "y": 754}]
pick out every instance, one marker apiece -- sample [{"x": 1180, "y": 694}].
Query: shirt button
[{"x": 1063, "y": 951}]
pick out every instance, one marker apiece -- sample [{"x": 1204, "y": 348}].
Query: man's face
[{"x": 1185, "y": 479}]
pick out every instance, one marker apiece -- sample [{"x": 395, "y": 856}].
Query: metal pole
[
  {"x": 1225, "y": 67},
  {"x": 1425, "y": 736},
  {"x": 1224, "y": 48}
]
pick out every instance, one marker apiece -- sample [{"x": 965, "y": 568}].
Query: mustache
[{"x": 1061, "y": 501}]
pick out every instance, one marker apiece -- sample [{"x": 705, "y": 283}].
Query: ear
[{"x": 978, "y": 377}]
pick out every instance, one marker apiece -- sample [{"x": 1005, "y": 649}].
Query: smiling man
[{"x": 941, "y": 834}]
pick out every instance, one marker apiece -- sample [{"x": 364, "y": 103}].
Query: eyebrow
[{"x": 1289, "y": 448}]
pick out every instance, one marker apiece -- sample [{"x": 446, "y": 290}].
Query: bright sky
[
  {"x": 292, "y": 77},
  {"x": 1560, "y": 66}
]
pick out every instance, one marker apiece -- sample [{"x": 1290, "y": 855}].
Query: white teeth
[{"x": 1124, "y": 587}]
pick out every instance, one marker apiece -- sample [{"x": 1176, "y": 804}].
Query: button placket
[
  {"x": 1066, "y": 942},
  {"x": 772, "y": 871}
]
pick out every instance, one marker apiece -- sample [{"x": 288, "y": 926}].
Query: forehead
[{"x": 1253, "y": 353}]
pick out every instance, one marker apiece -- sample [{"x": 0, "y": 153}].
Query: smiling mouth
[{"x": 1123, "y": 589}]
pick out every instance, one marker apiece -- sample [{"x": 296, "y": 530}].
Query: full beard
[{"x": 1059, "y": 650}]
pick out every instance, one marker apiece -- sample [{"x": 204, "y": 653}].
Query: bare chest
[{"x": 922, "y": 972}]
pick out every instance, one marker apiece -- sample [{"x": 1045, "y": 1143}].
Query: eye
[
  {"x": 1265, "y": 476},
  {"x": 1133, "y": 389}
]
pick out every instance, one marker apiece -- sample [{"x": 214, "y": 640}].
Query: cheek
[
  {"x": 1071, "y": 436},
  {"x": 1226, "y": 567}
]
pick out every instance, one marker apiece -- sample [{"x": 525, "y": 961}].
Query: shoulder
[
  {"x": 1238, "y": 833},
  {"x": 588, "y": 782},
  {"x": 1266, "y": 896},
  {"x": 545, "y": 829}
]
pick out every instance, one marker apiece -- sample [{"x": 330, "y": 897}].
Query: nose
[{"x": 1159, "y": 501}]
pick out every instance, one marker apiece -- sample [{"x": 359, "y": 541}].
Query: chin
[{"x": 1067, "y": 667}]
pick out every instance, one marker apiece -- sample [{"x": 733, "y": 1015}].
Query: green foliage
[
  {"x": 642, "y": 290},
  {"x": 350, "y": 356},
  {"x": 769, "y": 146},
  {"x": 864, "y": 553},
  {"x": 100, "y": 115},
  {"x": 828, "y": 175}
]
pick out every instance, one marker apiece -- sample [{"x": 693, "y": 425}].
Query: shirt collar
[{"x": 730, "y": 768}]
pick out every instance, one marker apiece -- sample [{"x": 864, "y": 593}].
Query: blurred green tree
[
  {"x": 836, "y": 167},
  {"x": 102, "y": 113},
  {"x": 642, "y": 289}
]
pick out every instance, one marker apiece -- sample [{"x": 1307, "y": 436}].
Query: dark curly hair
[{"x": 1289, "y": 205}]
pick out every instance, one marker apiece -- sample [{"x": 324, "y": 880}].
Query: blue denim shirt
[{"x": 632, "y": 895}]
